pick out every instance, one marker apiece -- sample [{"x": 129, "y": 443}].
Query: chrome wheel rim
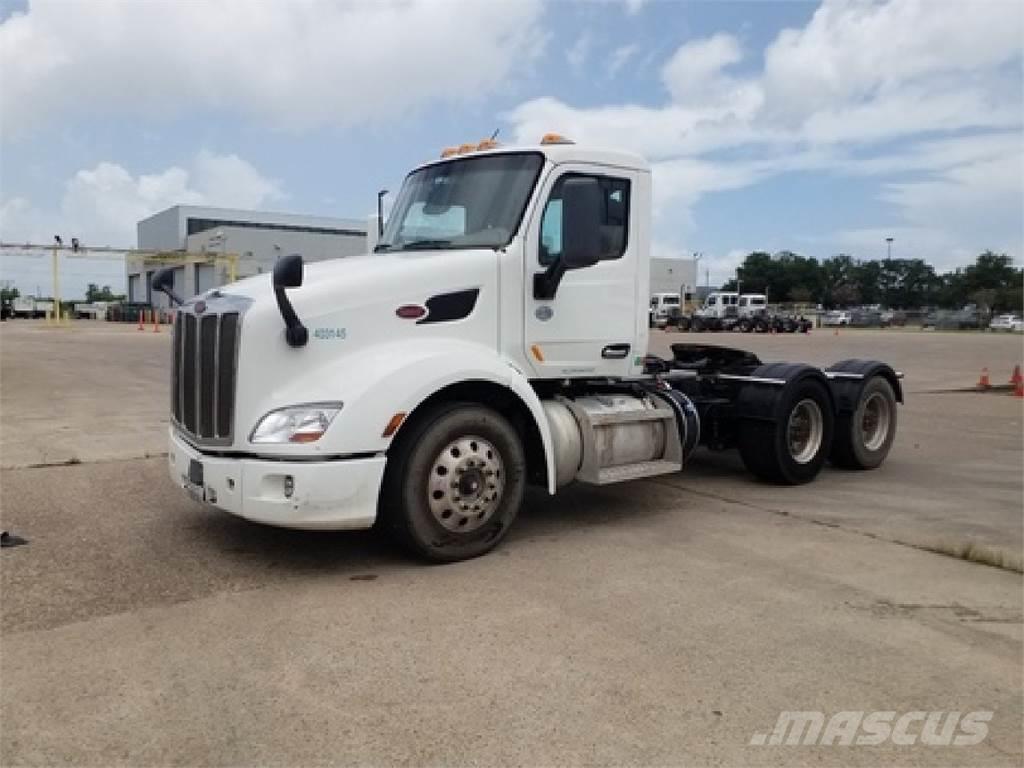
[
  {"x": 804, "y": 431},
  {"x": 466, "y": 483},
  {"x": 875, "y": 420}
]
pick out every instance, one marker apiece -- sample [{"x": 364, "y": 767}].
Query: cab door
[{"x": 590, "y": 326}]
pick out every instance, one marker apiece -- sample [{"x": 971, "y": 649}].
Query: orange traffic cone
[
  {"x": 1018, "y": 389},
  {"x": 1016, "y": 378},
  {"x": 142, "y": 319},
  {"x": 156, "y": 321},
  {"x": 983, "y": 382}
]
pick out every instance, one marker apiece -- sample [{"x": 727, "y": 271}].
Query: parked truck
[
  {"x": 496, "y": 337},
  {"x": 662, "y": 306},
  {"x": 731, "y": 311},
  {"x": 30, "y": 307}
]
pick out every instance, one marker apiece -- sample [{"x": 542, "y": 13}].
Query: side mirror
[
  {"x": 288, "y": 271},
  {"x": 288, "y": 274},
  {"x": 581, "y": 222},
  {"x": 582, "y": 212},
  {"x": 163, "y": 281}
]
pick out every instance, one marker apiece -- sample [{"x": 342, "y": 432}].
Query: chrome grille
[{"x": 203, "y": 374}]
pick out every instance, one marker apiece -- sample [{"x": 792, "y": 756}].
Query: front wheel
[
  {"x": 791, "y": 448},
  {"x": 454, "y": 484}
]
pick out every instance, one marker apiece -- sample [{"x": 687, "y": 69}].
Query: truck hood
[{"x": 349, "y": 305}]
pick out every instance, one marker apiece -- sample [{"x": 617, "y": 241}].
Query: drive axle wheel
[
  {"x": 791, "y": 448},
  {"x": 864, "y": 437},
  {"x": 454, "y": 482}
]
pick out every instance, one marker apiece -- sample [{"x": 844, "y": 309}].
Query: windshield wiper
[
  {"x": 381, "y": 247},
  {"x": 424, "y": 244}
]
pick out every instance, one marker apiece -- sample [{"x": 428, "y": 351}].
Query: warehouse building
[
  {"x": 207, "y": 237},
  {"x": 674, "y": 276}
]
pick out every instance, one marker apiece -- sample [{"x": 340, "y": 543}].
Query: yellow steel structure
[{"x": 228, "y": 260}]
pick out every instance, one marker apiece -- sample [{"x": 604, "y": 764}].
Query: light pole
[
  {"x": 888, "y": 247},
  {"x": 57, "y": 245},
  {"x": 697, "y": 256}
]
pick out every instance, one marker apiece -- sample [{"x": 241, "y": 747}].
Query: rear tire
[
  {"x": 864, "y": 437},
  {"x": 454, "y": 483},
  {"x": 792, "y": 448}
]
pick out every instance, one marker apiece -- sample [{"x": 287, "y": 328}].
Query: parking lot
[{"x": 656, "y": 622}]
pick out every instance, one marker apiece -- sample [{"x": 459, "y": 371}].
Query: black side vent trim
[{"x": 446, "y": 307}]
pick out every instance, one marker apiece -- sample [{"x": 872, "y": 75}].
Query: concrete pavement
[{"x": 659, "y": 622}]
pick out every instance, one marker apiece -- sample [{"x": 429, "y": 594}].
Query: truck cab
[
  {"x": 752, "y": 305},
  {"x": 662, "y": 304},
  {"x": 494, "y": 337},
  {"x": 720, "y": 305}
]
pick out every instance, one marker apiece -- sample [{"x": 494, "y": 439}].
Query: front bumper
[{"x": 327, "y": 495}]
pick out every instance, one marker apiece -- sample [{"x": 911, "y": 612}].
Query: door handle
[{"x": 615, "y": 351}]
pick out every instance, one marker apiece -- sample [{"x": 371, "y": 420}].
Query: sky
[{"x": 814, "y": 127}]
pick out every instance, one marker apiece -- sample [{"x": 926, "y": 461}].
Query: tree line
[
  {"x": 991, "y": 282},
  {"x": 92, "y": 293}
]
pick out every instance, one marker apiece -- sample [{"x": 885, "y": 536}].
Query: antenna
[{"x": 495, "y": 134}]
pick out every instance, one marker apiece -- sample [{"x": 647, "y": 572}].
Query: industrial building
[
  {"x": 674, "y": 276},
  {"x": 216, "y": 242}
]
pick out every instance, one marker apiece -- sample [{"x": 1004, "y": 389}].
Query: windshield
[{"x": 473, "y": 202}]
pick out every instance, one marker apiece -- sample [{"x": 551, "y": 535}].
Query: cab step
[{"x": 608, "y": 475}]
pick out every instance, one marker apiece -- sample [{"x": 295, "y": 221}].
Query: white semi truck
[{"x": 496, "y": 337}]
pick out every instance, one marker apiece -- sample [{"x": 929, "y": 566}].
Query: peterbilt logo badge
[
  {"x": 200, "y": 307},
  {"x": 544, "y": 312}
]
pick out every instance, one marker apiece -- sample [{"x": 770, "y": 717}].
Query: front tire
[
  {"x": 454, "y": 483},
  {"x": 791, "y": 448},
  {"x": 864, "y": 437}
]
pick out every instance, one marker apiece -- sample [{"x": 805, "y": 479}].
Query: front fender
[{"x": 376, "y": 383}]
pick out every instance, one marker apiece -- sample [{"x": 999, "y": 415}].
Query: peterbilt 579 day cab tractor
[{"x": 496, "y": 336}]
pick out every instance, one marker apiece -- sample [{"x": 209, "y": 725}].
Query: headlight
[{"x": 296, "y": 424}]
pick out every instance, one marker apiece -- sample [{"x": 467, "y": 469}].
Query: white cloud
[
  {"x": 294, "y": 65},
  {"x": 620, "y": 57},
  {"x": 101, "y": 205},
  {"x": 578, "y": 53},
  {"x": 866, "y": 87},
  {"x": 853, "y": 50},
  {"x": 634, "y": 7},
  {"x": 695, "y": 70},
  {"x": 230, "y": 181}
]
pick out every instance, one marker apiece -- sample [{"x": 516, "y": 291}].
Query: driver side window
[{"x": 614, "y": 222}]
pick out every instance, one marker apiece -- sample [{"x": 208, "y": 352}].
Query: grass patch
[{"x": 977, "y": 553}]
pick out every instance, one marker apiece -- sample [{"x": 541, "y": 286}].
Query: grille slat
[
  {"x": 203, "y": 374},
  {"x": 228, "y": 347},
  {"x": 176, "y": 368},
  {"x": 207, "y": 371}
]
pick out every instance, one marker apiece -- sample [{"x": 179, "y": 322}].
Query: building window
[{"x": 194, "y": 226}]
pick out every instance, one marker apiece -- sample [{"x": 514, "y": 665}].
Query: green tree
[
  {"x": 836, "y": 271},
  {"x": 867, "y": 276},
  {"x": 906, "y": 283},
  {"x": 94, "y": 293},
  {"x": 990, "y": 272},
  {"x": 9, "y": 294},
  {"x": 846, "y": 294}
]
